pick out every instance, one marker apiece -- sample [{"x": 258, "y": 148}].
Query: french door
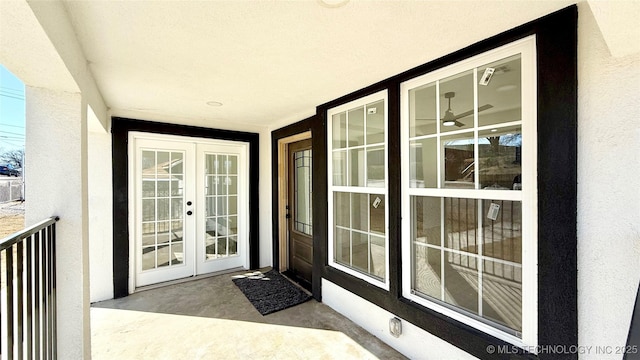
[{"x": 190, "y": 202}]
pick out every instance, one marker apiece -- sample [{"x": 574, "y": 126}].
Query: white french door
[{"x": 190, "y": 207}]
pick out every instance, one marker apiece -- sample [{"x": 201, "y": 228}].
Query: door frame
[
  {"x": 283, "y": 196},
  {"x": 310, "y": 127},
  {"x": 120, "y": 128},
  {"x": 196, "y": 194}
]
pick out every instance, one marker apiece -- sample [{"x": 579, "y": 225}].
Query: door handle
[{"x": 189, "y": 212}]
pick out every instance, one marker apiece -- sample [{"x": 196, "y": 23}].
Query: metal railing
[{"x": 28, "y": 300}]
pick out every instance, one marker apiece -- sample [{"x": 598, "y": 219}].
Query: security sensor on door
[{"x": 486, "y": 76}]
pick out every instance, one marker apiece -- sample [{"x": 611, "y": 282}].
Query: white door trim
[{"x": 243, "y": 191}]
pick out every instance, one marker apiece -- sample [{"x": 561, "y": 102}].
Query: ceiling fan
[{"x": 450, "y": 119}]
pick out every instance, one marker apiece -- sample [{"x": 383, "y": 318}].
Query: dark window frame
[
  {"x": 556, "y": 60},
  {"x": 120, "y": 128}
]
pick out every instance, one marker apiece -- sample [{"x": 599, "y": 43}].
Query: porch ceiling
[{"x": 269, "y": 62}]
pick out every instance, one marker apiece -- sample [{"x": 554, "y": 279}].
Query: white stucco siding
[
  {"x": 266, "y": 258},
  {"x": 414, "y": 342},
  {"x": 608, "y": 188},
  {"x": 56, "y": 184},
  {"x": 100, "y": 214}
]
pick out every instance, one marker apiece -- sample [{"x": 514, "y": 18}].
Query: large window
[
  {"x": 469, "y": 192},
  {"x": 357, "y": 176}
]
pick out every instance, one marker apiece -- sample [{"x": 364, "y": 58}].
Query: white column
[{"x": 56, "y": 184}]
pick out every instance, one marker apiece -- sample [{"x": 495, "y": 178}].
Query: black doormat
[{"x": 270, "y": 292}]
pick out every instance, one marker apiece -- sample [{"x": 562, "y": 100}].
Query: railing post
[{"x": 9, "y": 273}]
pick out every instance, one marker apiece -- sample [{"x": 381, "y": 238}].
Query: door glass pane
[
  {"x": 456, "y": 102},
  {"x": 162, "y": 207},
  {"x": 232, "y": 185},
  {"x": 233, "y": 245},
  {"x": 232, "y": 164},
  {"x": 221, "y": 205},
  {"x": 176, "y": 185},
  {"x": 302, "y": 192},
  {"x": 177, "y": 167},
  {"x": 177, "y": 253},
  {"x": 148, "y": 233},
  {"x": 223, "y": 165},
  {"x": 500, "y": 158}
]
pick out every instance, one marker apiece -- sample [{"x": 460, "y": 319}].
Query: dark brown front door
[{"x": 299, "y": 211}]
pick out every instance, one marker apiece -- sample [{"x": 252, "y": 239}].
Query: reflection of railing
[
  {"x": 30, "y": 302},
  {"x": 501, "y": 238}
]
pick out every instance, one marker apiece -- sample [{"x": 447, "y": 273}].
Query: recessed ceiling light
[
  {"x": 214, "y": 103},
  {"x": 332, "y": 4}
]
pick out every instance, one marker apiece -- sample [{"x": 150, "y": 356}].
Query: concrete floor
[{"x": 211, "y": 319}]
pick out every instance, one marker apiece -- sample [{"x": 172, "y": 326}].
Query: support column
[{"x": 56, "y": 184}]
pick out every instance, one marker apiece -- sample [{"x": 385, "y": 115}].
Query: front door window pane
[{"x": 302, "y": 192}]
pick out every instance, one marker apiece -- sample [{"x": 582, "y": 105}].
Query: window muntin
[
  {"x": 357, "y": 174},
  {"x": 471, "y": 244}
]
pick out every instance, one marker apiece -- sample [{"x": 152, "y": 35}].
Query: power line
[
  {"x": 15, "y": 126},
  {"x": 11, "y": 133},
  {"x": 4, "y": 88},
  {"x": 12, "y": 97}
]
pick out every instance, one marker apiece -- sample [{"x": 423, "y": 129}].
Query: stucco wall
[
  {"x": 608, "y": 188},
  {"x": 100, "y": 215},
  {"x": 56, "y": 184}
]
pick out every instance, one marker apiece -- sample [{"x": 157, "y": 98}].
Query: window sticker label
[
  {"x": 376, "y": 202},
  {"x": 494, "y": 209}
]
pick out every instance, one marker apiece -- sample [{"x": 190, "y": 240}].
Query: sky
[{"x": 12, "y": 111}]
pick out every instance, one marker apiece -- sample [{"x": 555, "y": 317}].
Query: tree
[{"x": 14, "y": 157}]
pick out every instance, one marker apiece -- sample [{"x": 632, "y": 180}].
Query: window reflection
[
  {"x": 476, "y": 258},
  {"x": 500, "y": 157}
]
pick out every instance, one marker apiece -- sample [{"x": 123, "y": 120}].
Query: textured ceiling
[{"x": 269, "y": 62}]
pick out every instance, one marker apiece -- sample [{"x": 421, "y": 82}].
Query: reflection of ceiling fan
[{"x": 450, "y": 119}]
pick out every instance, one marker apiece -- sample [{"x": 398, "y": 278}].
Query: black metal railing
[{"x": 28, "y": 301}]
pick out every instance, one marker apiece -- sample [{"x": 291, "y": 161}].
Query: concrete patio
[{"x": 210, "y": 318}]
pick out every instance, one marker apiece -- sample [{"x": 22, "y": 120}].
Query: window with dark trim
[{"x": 555, "y": 105}]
